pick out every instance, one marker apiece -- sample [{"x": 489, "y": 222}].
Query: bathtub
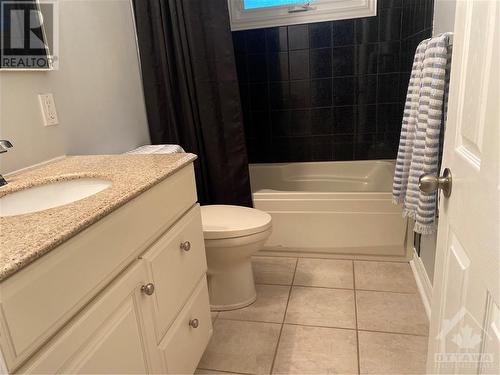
[{"x": 341, "y": 208}]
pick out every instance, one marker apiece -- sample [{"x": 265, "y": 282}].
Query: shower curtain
[{"x": 191, "y": 91}]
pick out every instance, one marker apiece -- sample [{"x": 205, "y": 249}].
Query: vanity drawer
[
  {"x": 176, "y": 263},
  {"x": 188, "y": 337}
]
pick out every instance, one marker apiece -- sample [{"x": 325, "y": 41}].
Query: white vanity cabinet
[{"x": 126, "y": 295}]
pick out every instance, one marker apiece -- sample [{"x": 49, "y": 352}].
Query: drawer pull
[
  {"x": 194, "y": 323},
  {"x": 186, "y": 246},
  {"x": 148, "y": 289}
]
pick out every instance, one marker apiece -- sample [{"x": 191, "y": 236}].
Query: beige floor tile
[
  {"x": 315, "y": 350},
  {"x": 391, "y": 312},
  {"x": 387, "y": 353},
  {"x": 329, "y": 273},
  {"x": 270, "y": 305},
  {"x": 385, "y": 276},
  {"x": 273, "y": 270},
  {"x": 321, "y": 307},
  {"x": 238, "y": 346}
]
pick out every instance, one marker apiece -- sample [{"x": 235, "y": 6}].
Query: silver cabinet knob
[
  {"x": 148, "y": 289},
  {"x": 186, "y": 245},
  {"x": 429, "y": 183},
  {"x": 194, "y": 323}
]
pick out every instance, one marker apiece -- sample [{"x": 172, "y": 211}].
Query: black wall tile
[
  {"x": 300, "y": 122},
  {"x": 343, "y": 91},
  {"x": 256, "y": 41},
  {"x": 366, "y": 58},
  {"x": 388, "y": 88},
  {"x": 299, "y": 64},
  {"x": 257, "y": 67},
  {"x": 321, "y": 121},
  {"x": 321, "y": 92},
  {"x": 343, "y": 61},
  {"x": 344, "y": 120},
  {"x": 366, "y": 30},
  {"x": 389, "y": 57},
  {"x": 298, "y": 37},
  {"x": 258, "y": 96},
  {"x": 390, "y": 24},
  {"x": 277, "y": 39},
  {"x": 281, "y": 125},
  {"x": 279, "y": 95},
  {"x": 320, "y": 35},
  {"x": 331, "y": 90},
  {"x": 300, "y": 94},
  {"x": 366, "y": 89},
  {"x": 321, "y": 63},
  {"x": 322, "y": 148},
  {"x": 278, "y": 66},
  {"x": 343, "y": 33},
  {"x": 366, "y": 119}
]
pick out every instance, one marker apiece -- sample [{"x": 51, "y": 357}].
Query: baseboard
[
  {"x": 423, "y": 282},
  {"x": 321, "y": 255}
]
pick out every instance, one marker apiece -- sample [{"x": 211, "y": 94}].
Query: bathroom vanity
[{"x": 113, "y": 283}]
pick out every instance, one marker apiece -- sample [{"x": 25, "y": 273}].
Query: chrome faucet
[{"x": 4, "y": 146}]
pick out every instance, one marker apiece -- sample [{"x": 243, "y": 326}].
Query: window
[
  {"x": 255, "y": 4},
  {"x": 253, "y": 14}
]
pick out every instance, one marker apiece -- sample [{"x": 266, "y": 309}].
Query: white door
[{"x": 465, "y": 320}]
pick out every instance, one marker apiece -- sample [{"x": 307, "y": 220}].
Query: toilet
[{"x": 232, "y": 235}]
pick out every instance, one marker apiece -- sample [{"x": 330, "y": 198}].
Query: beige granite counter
[{"x": 24, "y": 238}]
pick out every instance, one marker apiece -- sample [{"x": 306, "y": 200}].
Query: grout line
[
  {"x": 330, "y": 327},
  {"x": 394, "y": 333},
  {"x": 250, "y": 320},
  {"x": 319, "y": 326},
  {"x": 329, "y": 287},
  {"x": 356, "y": 318},
  {"x": 225, "y": 371},
  {"x": 284, "y": 317},
  {"x": 341, "y": 256}
]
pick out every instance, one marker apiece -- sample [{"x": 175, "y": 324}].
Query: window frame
[{"x": 321, "y": 10}]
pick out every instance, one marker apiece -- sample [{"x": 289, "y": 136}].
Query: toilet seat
[{"x": 223, "y": 221}]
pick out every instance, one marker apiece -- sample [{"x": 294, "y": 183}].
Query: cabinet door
[
  {"x": 176, "y": 269},
  {"x": 113, "y": 335}
]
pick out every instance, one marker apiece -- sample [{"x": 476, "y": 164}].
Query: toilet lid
[{"x": 220, "y": 221}]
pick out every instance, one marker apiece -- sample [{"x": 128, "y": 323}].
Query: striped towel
[
  {"x": 157, "y": 149},
  {"x": 423, "y": 119}
]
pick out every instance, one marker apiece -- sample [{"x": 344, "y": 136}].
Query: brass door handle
[{"x": 429, "y": 183}]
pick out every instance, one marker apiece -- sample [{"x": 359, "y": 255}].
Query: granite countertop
[{"x": 25, "y": 238}]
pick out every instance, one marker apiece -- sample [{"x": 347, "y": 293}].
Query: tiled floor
[{"x": 323, "y": 316}]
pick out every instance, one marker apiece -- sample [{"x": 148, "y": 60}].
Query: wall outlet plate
[{"x": 49, "y": 112}]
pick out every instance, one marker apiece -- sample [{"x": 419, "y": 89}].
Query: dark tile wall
[{"x": 332, "y": 90}]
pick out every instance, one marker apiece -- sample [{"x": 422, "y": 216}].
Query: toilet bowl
[{"x": 232, "y": 235}]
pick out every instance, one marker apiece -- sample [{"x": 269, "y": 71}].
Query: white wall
[
  {"x": 444, "y": 16},
  {"x": 97, "y": 90},
  {"x": 444, "y": 21}
]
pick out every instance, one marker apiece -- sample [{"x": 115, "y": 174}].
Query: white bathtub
[{"x": 339, "y": 208}]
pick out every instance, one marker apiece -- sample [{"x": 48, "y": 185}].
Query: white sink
[{"x": 43, "y": 197}]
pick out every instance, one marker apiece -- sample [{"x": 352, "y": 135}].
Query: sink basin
[{"x": 43, "y": 197}]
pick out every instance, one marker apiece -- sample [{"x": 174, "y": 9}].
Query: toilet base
[{"x": 231, "y": 287}]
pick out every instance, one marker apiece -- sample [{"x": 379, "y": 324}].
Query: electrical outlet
[{"x": 49, "y": 111}]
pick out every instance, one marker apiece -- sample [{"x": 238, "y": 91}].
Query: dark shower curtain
[{"x": 191, "y": 91}]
